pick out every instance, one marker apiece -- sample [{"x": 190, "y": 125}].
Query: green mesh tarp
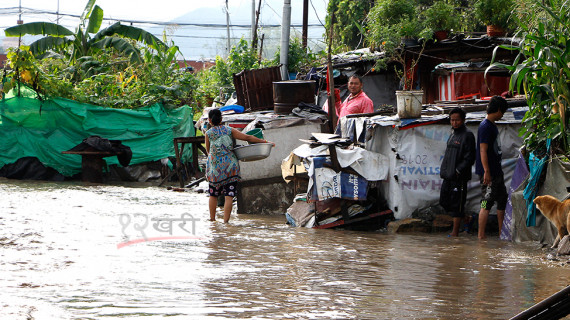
[{"x": 43, "y": 129}]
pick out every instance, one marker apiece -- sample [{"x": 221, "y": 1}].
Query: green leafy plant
[
  {"x": 441, "y": 16},
  {"x": 350, "y": 21},
  {"x": 494, "y": 12},
  {"x": 87, "y": 38},
  {"x": 390, "y": 22},
  {"x": 299, "y": 59},
  {"x": 216, "y": 83},
  {"x": 542, "y": 70},
  {"x": 107, "y": 79}
]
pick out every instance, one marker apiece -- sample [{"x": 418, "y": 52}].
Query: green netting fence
[{"x": 43, "y": 129}]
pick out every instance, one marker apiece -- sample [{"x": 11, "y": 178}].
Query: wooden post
[
  {"x": 92, "y": 168},
  {"x": 331, "y": 99},
  {"x": 178, "y": 163},
  {"x": 333, "y": 119}
]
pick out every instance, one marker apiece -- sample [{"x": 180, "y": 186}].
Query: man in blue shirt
[{"x": 488, "y": 165}]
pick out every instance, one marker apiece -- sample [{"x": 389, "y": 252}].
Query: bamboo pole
[{"x": 331, "y": 98}]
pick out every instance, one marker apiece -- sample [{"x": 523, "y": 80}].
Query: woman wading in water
[{"x": 222, "y": 167}]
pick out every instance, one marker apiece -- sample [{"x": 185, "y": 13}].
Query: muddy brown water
[{"x": 74, "y": 251}]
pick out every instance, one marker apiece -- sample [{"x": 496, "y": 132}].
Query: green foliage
[
  {"x": 441, "y": 15},
  {"x": 107, "y": 78},
  {"x": 388, "y": 12},
  {"x": 468, "y": 21},
  {"x": 81, "y": 43},
  {"x": 494, "y": 12},
  {"x": 542, "y": 70},
  {"x": 299, "y": 59},
  {"x": 350, "y": 20},
  {"x": 106, "y": 69},
  {"x": 217, "y": 82},
  {"x": 392, "y": 20}
]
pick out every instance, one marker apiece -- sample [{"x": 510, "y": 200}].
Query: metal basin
[{"x": 253, "y": 152}]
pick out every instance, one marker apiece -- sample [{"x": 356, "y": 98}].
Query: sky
[{"x": 197, "y": 42}]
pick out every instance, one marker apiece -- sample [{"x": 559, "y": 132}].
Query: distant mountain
[
  {"x": 208, "y": 41},
  {"x": 202, "y": 33}
]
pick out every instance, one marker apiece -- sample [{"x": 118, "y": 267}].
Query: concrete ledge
[{"x": 268, "y": 196}]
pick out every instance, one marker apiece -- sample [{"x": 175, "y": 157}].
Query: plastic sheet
[{"x": 43, "y": 129}]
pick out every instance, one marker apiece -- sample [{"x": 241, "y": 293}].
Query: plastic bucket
[
  {"x": 409, "y": 103},
  {"x": 257, "y": 132}
]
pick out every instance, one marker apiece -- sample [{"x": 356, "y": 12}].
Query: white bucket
[{"x": 409, "y": 103}]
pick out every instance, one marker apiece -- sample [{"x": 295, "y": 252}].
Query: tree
[
  {"x": 541, "y": 71},
  {"x": 87, "y": 38},
  {"x": 218, "y": 80},
  {"x": 350, "y": 18},
  {"x": 299, "y": 59}
]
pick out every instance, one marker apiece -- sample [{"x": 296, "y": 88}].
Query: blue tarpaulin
[{"x": 535, "y": 166}]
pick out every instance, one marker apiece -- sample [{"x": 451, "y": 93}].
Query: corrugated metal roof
[{"x": 513, "y": 115}]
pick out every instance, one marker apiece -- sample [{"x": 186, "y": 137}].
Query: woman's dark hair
[
  {"x": 497, "y": 103},
  {"x": 459, "y": 111},
  {"x": 215, "y": 115}
]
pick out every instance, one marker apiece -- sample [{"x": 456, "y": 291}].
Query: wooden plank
[
  {"x": 341, "y": 222},
  {"x": 93, "y": 153}
]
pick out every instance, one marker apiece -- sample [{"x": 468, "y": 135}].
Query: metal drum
[{"x": 288, "y": 94}]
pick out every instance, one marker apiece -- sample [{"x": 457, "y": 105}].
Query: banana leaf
[
  {"x": 37, "y": 28},
  {"x": 95, "y": 20},
  {"x": 47, "y": 43},
  {"x": 121, "y": 45},
  {"x": 134, "y": 33}
]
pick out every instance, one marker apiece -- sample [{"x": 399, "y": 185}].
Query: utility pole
[
  {"x": 254, "y": 41},
  {"x": 228, "y": 28},
  {"x": 285, "y": 31},
  {"x": 57, "y": 13},
  {"x": 20, "y": 37},
  {"x": 20, "y": 13},
  {"x": 253, "y": 26},
  {"x": 305, "y": 22}
]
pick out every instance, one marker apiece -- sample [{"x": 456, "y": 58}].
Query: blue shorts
[{"x": 229, "y": 190}]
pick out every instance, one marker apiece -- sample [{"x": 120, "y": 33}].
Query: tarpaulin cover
[
  {"x": 330, "y": 184},
  {"x": 43, "y": 129},
  {"x": 519, "y": 177},
  {"x": 415, "y": 157},
  {"x": 535, "y": 166},
  {"x": 557, "y": 179}
]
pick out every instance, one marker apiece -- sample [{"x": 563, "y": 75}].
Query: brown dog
[{"x": 557, "y": 212}]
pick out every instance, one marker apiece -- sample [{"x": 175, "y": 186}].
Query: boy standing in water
[
  {"x": 456, "y": 168},
  {"x": 488, "y": 165}
]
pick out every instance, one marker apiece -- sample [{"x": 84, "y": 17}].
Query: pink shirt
[{"x": 353, "y": 104}]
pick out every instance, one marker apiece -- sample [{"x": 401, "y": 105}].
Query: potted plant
[
  {"x": 494, "y": 14},
  {"x": 394, "y": 28},
  {"x": 441, "y": 18}
]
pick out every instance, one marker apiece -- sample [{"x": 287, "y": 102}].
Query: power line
[
  {"x": 178, "y": 25},
  {"x": 205, "y": 25}
]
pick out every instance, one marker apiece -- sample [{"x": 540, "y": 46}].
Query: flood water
[{"x": 75, "y": 251}]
